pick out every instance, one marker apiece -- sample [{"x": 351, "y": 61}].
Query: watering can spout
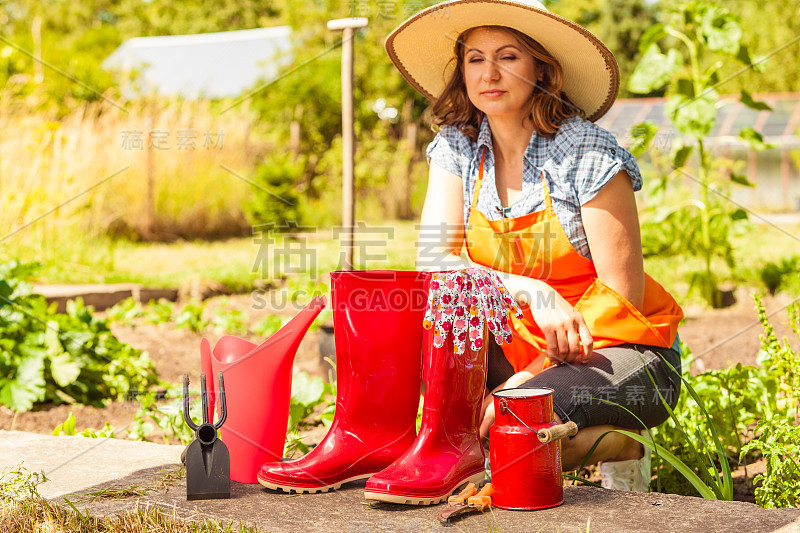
[
  {"x": 285, "y": 341},
  {"x": 258, "y": 379}
]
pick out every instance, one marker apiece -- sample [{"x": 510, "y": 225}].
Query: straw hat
[{"x": 421, "y": 48}]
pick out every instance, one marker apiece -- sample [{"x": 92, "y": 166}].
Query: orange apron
[{"x": 536, "y": 246}]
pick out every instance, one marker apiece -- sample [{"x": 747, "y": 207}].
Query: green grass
[
  {"x": 391, "y": 246},
  {"x": 75, "y": 259}
]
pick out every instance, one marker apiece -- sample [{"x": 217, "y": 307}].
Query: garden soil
[{"x": 718, "y": 339}]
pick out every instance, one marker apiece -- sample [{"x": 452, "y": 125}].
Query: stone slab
[
  {"x": 584, "y": 509},
  {"x": 75, "y": 464},
  {"x": 102, "y": 296},
  {"x": 345, "y": 511}
]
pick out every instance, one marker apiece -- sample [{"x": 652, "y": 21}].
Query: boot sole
[
  {"x": 413, "y": 500},
  {"x": 309, "y": 490}
]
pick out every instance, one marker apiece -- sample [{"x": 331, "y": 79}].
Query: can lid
[{"x": 523, "y": 393}]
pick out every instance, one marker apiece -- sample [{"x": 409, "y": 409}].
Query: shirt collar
[
  {"x": 485, "y": 135},
  {"x": 485, "y": 140}
]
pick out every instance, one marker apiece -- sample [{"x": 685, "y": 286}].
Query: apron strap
[
  {"x": 480, "y": 179},
  {"x": 547, "y": 201}
]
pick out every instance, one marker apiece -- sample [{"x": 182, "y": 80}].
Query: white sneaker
[{"x": 633, "y": 475}]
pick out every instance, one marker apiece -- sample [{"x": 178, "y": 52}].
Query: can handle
[
  {"x": 545, "y": 435},
  {"x": 557, "y": 432}
]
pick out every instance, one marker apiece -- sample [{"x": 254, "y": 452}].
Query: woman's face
[{"x": 499, "y": 74}]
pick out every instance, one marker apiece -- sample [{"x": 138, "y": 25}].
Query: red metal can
[{"x": 526, "y": 474}]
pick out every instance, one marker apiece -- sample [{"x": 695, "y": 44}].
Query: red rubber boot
[
  {"x": 377, "y": 320},
  {"x": 447, "y": 452}
]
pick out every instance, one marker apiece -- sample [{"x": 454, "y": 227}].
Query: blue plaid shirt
[{"x": 577, "y": 162}]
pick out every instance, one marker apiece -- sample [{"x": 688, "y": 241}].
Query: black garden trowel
[{"x": 208, "y": 463}]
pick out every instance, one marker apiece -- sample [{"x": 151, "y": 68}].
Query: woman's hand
[{"x": 568, "y": 338}]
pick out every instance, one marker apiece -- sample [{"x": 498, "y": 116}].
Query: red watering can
[{"x": 258, "y": 386}]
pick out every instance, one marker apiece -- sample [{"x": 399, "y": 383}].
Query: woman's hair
[{"x": 549, "y": 104}]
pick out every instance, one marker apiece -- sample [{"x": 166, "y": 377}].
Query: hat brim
[{"x": 422, "y": 48}]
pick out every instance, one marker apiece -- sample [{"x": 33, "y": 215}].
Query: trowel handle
[
  {"x": 222, "y": 404},
  {"x": 557, "y": 432}
]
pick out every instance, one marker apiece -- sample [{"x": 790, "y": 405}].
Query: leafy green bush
[
  {"x": 230, "y": 322},
  {"x": 779, "y": 443},
  {"x": 697, "y": 447},
  {"x": 275, "y": 202},
  {"x": 734, "y": 398},
  {"x": 720, "y": 411},
  {"x": 158, "y": 312},
  {"x": 47, "y": 356},
  {"x": 191, "y": 317},
  {"x": 125, "y": 311},
  {"x": 165, "y": 411},
  {"x": 774, "y": 275},
  {"x": 307, "y": 394},
  {"x": 778, "y": 436}
]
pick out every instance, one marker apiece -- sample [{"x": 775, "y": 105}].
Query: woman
[{"x": 521, "y": 177}]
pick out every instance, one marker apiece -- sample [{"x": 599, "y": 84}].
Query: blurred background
[{"x": 132, "y": 123}]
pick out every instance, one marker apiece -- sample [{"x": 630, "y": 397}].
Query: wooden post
[
  {"x": 36, "y": 35},
  {"x": 295, "y": 132},
  {"x": 411, "y": 145},
  {"x": 149, "y": 195},
  {"x": 348, "y": 27}
]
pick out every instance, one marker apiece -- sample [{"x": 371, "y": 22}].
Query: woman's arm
[
  {"x": 611, "y": 223},
  {"x": 441, "y": 239},
  {"x": 441, "y": 231}
]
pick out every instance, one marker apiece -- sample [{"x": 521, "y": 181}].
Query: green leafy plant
[
  {"x": 307, "y": 394},
  {"x": 71, "y": 357},
  {"x": 191, "y": 317},
  {"x": 709, "y": 428},
  {"x": 230, "y": 321},
  {"x": 774, "y": 275},
  {"x": 18, "y": 483},
  {"x": 734, "y": 399},
  {"x": 691, "y": 442},
  {"x": 68, "y": 428},
  {"x": 716, "y": 484},
  {"x": 163, "y": 410},
  {"x": 778, "y": 436},
  {"x": 778, "y": 442},
  {"x": 158, "y": 312},
  {"x": 125, "y": 312},
  {"x": 274, "y": 205},
  {"x": 268, "y": 325},
  {"x": 698, "y": 35}
]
